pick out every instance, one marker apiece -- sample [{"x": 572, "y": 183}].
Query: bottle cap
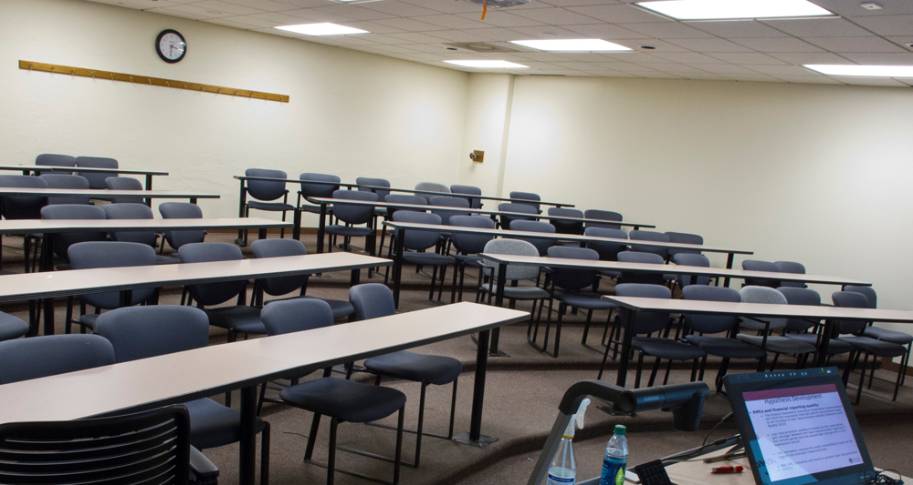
[{"x": 621, "y": 430}]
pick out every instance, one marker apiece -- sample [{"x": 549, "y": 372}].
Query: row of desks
[
  {"x": 157, "y": 381},
  {"x": 39, "y": 169},
  {"x": 102, "y": 193}
]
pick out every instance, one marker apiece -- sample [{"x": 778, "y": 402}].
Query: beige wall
[{"x": 350, "y": 113}]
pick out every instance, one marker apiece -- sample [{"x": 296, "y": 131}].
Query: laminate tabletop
[
  {"x": 600, "y": 265},
  {"x": 149, "y": 194},
  {"x": 209, "y": 370},
  {"x": 73, "y": 168},
  {"x": 46, "y": 226}
]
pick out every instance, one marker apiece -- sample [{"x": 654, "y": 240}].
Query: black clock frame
[{"x": 158, "y": 50}]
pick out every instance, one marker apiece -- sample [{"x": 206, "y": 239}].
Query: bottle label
[{"x": 613, "y": 471}]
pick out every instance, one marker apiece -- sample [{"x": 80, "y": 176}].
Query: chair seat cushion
[
  {"x": 520, "y": 292},
  {"x": 779, "y": 344},
  {"x": 430, "y": 259},
  {"x": 588, "y": 301},
  {"x": 350, "y": 231},
  {"x": 892, "y": 336},
  {"x": 667, "y": 349},
  {"x": 270, "y": 206},
  {"x": 12, "y": 327},
  {"x": 313, "y": 209},
  {"x": 410, "y": 366},
  {"x": 166, "y": 259},
  {"x": 875, "y": 346},
  {"x": 213, "y": 425},
  {"x": 473, "y": 260},
  {"x": 726, "y": 347},
  {"x": 241, "y": 319},
  {"x": 834, "y": 347},
  {"x": 346, "y": 400}
]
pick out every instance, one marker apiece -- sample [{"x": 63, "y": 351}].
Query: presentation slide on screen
[{"x": 802, "y": 430}]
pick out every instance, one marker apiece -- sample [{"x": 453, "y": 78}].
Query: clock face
[{"x": 171, "y": 46}]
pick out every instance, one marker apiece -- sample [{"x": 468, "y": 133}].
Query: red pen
[{"x": 727, "y": 469}]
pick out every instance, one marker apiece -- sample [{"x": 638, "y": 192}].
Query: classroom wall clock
[{"x": 171, "y": 46}]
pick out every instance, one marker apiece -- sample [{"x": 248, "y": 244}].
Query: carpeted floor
[{"x": 522, "y": 392}]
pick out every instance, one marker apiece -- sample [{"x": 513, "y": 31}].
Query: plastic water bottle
[
  {"x": 616, "y": 458},
  {"x": 563, "y": 470}
]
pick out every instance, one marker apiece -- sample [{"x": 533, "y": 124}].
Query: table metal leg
[
  {"x": 248, "y": 445},
  {"x": 824, "y": 343},
  {"x": 48, "y": 304},
  {"x": 321, "y": 227},
  {"x": 475, "y": 437},
  {"x": 296, "y": 220},
  {"x": 242, "y": 202},
  {"x": 355, "y": 278},
  {"x": 398, "y": 242},
  {"x": 627, "y": 337},
  {"x": 729, "y": 260},
  {"x": 148, "y": 181}
]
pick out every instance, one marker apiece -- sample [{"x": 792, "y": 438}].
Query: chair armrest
[{"x": 203, "y": 471}]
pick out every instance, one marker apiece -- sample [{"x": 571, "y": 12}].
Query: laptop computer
[{"x": 798, "y": 427}]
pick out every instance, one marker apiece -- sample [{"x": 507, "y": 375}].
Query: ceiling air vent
[{"x": 480, "y": 47}]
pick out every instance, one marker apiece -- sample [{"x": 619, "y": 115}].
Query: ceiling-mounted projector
[{"x": 502, "y": 3}]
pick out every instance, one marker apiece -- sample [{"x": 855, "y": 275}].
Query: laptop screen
[{"x": 798, "y": 427}]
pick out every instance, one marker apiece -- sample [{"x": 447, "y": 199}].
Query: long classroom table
[
  {"x": 631, "y": 305},
  {"x": 243, "y": 194},
  {"x": 96, "y": 193},
  {"x": 324, "y": 202},
  {"x": 38, "y": 169},
  {"x": 44, "y": 287},
  {"x": 60, "y": 226},
  {"x": 219, "y": 368}
]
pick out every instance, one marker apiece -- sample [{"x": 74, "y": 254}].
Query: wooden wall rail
[{"x": 151, "y": 81}]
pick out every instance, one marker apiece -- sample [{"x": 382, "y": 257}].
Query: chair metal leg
[
  {"x": 421, "y": 424},
  {"x": 453, "y": 400},
  {"x": 397, "y": 457},
  {"x": 331, "y": 459},
  {"x": 668, "y": 371},
  {"x": 653, "y": 371},
  {"x": 261, "y": 398},
  {"x": 68, "y": 321},
  {"x": 640, "y": 365},
  {"x": 605, "y": 358},
  {"x": 558, "y": 333},
  {"x": 312, "y": 437},
  {"x": 872, "y": 372},
  {"x": 586, "y": 327},
  {"x": 900, "y": 373},
  {"x": 440, "y": 289},
  {"x": 433, "y": 279},
  {"x": 865, "y": 361},
  {"x": 264, "y": 453},
  {"x": 851, "y": 361}
]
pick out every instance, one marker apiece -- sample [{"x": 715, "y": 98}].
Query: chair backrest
[
  {"x": 266, "y": 189},
  {"x": 569, "y": 278},
  {"x": 799, "y": 296},
  {"x": 692, "y": 259},
  {"x": 66, "y": 181},
  {"x": 403, "y": 199},
  {"x": 318, "y": 190},
  {"x": 22, "y": 206},
  {"x": 372, "y": 300},
  {"x": 62, "y": 242},
  {"x": 131, "y": 211},
  {"x": 370, "y": 184},
  {"x": 646, "y": 322},
  {"x": 271, "y": 248},
  {"x": 96, "y": 179},
  {"x": 124, "y": 183},
  {"x": 764, "y": 294},
  {"x": 296, "y": 315},
  {"x": 516, "y": 247},
  {"x": 212, "y": 293},
  {"x": 850, "y": 299},
  {"x": 759, "y": 265},
  {"x": 507, "y": 219},
  {"x": 608, "y": 251},
  {"x": 34, "y": 357},
  {"x": 791, "y": 267},
  {"x": 703, "y": 323},
  {"x": 354, "y": 214},
  {"x": 640, "y": 235},
  {"x": 432, "y": 187},
  {"x": 637, "y": 276},
  {"x": 445, "y": 201},
  {"x": 55, "y": 160},
  {"x": 535, "y": 226},
  {"x": 418, "y": 240},
  {"x": 182, "y": 210},
  {"x": 471, "y": 243},
  {"x": 870, "y": 295},
  {"x": 529, "y": 198},
  {"x": 145, "y": 447},
  {"x": 565, "y": 226},
  {"x": 111, "y": 254},
  {"x": 684, "y": 238},
  {"x": 602, "y": 215},
  {"x": 474, "y": 202},
  {"x": 148, "y": 331}
]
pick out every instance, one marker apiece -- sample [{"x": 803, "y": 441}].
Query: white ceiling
[{"x": 418, "y": 30}]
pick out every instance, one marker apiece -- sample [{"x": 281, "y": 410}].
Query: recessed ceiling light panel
[
  {"x": 322, "y": 28},
  {"x": 858, "y": 70},
  {"x": 734, "y": 9},
  {"x": 572, "y": 45},
  {"x": 486, "y": 64}
]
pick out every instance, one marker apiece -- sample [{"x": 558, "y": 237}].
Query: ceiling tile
[
  {"x": 855, "y": 44},
  {"x": 827, "y": 27},
  {"x": 616, "y": 14},
  {"x": 884, "y": 25},
  {"x": 737, "y": 29},
  {"x": 555, "y": 16},
  {"x": 711, "y": 44},
  {"x": 667, "y": 29},
  {"x": 778, "y": 44},
  {"x": 746, "y": 58}
]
